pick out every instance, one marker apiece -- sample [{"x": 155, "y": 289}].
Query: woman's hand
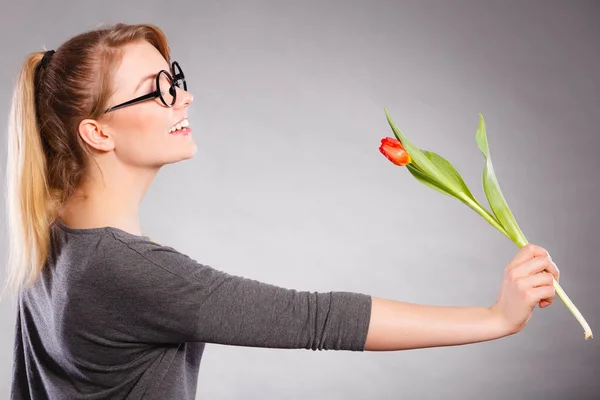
[
  {"x": 528, "y": 281},
  {"x": 398, "y": 325}
]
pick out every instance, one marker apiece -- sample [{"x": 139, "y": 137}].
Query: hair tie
[{"x": 47, "y": 57}]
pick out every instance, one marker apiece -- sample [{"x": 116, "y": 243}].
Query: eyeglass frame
[{"x": 157, "y": 93}]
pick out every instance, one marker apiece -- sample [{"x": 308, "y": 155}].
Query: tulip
[
  {"x": 436, "y": 172},
  {"x": 394, "y": 151}
]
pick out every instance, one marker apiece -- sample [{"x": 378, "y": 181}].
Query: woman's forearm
[{"x": 396, "y": 325}]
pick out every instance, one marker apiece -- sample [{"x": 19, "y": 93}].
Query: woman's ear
[{"x": 91, "y": 131}]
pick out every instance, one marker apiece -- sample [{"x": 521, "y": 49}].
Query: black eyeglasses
[{"x": 163, "y": 80}]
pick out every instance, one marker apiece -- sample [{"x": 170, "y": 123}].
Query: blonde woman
[{"x": 106, "y": 313}]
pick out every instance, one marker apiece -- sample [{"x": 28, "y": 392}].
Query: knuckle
[
  {"x": 530, "y": 250},
  {"x": 542, "y": 263},
  {"x": 530, "y": 298}
]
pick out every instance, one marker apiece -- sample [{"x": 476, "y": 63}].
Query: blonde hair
[{"x": 47, "y": 158}]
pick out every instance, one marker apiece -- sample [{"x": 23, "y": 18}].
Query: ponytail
[
  {"x": 28, "y": 207},
  {"x": 47, "y": 159}
]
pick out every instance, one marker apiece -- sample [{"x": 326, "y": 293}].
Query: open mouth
[{"x": 182, "y": 127}]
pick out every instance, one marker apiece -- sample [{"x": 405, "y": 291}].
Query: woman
[{"x": 103, "y": 311}]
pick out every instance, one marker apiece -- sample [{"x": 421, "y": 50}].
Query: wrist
[{"x": 501, "y": 324}]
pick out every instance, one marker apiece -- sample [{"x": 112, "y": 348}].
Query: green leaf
[
  {"x": 436, "y": 172},
  {"x": 434, "y": 169},
  {"x": 419, "y": 159},
  {"x": 427, "y": 181},
  {"x": 493, "y": 193},
  {"x": 469, "y": 201},
  {"x": 450, "y": 173}
]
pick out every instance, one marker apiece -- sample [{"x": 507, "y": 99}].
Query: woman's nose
[{"x": 184, "y": 98}]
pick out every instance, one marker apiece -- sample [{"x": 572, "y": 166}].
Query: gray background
[{"x": 288, "y": 185}]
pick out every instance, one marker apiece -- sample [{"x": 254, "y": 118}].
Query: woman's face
[{"x": 142, "y": 133}]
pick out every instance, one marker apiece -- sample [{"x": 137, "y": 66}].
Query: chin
[
  {"x": 180, "y": 155},
  {"x": 189, "y": 153}
]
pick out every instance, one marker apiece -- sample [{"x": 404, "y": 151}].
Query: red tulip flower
[
  {"x": 394, "y": 151},
  {"x": 436, "y": 172}
]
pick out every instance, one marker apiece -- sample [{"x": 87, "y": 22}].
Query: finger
[
  {"x": 545, "y": 303},
  {"x": 548, "y": 266},
  {"x": 528, "y": 268},
  {"x": 553, "y": 269},
  {"x": 539, "y": 294},
  {"x": 536, "y": 280},
  {"x": 549, "y": 300},
  {"x": 526, "y": 253}
]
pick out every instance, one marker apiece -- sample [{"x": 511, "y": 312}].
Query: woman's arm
[{"x": 397, "y": 325}]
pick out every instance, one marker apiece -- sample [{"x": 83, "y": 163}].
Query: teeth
[{"x": 183, "y": 124}]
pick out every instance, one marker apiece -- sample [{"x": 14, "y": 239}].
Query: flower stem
[
  {"x": 573, "y": 309},
  {"x": 486, "y": 215},
  {"x": 521, "y": 243}
]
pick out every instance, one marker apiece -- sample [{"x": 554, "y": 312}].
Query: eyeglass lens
[{"x": 167, "y": 87}]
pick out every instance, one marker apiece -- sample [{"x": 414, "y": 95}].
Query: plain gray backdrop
[{"x": 288, "y": 185}]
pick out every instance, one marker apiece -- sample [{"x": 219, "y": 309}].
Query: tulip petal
[
  {"x": 392, "y": 149},
  {"x": 418, "y": 158},
  {"x": 493, "y": 193},
  {"x": 437, "y": 168},
  {"x": 436, "y": 172},
  {"x": 388, "y": 141}
]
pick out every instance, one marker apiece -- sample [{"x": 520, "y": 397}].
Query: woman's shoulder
[{"x": 109, "y": 255}]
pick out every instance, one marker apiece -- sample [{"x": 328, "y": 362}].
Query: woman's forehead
[{"x": 140, "y": 61}]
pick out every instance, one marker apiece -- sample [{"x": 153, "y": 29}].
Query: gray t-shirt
[{"x": 118, "y": 316}]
